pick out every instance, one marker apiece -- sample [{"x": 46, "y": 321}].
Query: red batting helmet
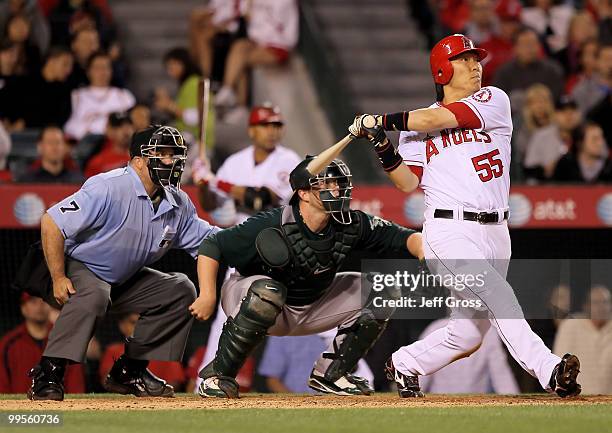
[{"x": 449, "y": 47}]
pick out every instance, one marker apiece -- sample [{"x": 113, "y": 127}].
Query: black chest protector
[{"x": 312, "y": 263}]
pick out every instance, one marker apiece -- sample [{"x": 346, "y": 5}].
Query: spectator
[
  {"x": 171, "y": 371},
  {"x": 551, "y": 141},
  {"x": 140, "y": 115},
  {"x": 244, "y": 377},
  {"x": 18, "y": 31},
  {"x": 485, "y": 371},
  {"x": 116, "y": 149},
  {"x": 91, "y": 105},
  {"x": 499, "y": 45},
  {"x": 589, "y": 93},
  {"x": 41, "y": 34},
  {"x": 84, "y": 44},
  {"x": 212, "y": 30},
  {"x": 602, "y": 10},
  {"x": 538, "y": 112},
  {"x": 12, "y": 88},
  {"x": 272, "y": 35},
  {"x": 22, "y": 347},
  {"x": 52, "y": 165},
  {"x": 557, "y": 309},
  {"x": 589, "y": 336},
  {"x": 582, "y": 29},
  {"x": 590, "y": 164},
  {"x": 67, "y": 17},
  {"x": 287, "y": 362},
  {"x": 551, "y": 22},
  {"x": 586, "y": 75},
  {"x": 5, "y": 150},
  {"x": 483, "y": 23},
  {"x": 453, "y": 15},
  {"x": 48, "y": 97},
  {"x": 601, "y": 114},
  {"x": 528, "y": 67},
  {"x": 184, "y": 109}
]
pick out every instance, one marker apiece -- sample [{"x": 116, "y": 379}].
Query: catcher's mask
[
  {"x": 334, "y": 185},
  {"x": 166, "y": 153}
]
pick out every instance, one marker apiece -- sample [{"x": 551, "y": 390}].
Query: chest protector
[{"x": 313, "y": 263}]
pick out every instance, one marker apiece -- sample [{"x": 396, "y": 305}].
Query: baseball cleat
[
  {"x": 407, "y": 386},
  {"x": 348, "y": 384},
  {"x": 563, "y": 378},
  {"x": 139, "y": 382},
  {"x": 47, "y": 381},
  {"x": 219, "y": 386}
]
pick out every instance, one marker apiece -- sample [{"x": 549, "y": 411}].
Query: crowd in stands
[
  {"x": 61, "y": 65},
  {"x": 554, "y": 59}
]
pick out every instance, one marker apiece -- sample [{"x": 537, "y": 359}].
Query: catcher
[{"x": 287, "y": 281}]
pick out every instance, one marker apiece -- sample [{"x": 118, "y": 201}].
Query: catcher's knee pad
[
  {"x": 241, "y": 334},
  {"x": 354, "y": 343},
  {"x": 263, "y": 302}
]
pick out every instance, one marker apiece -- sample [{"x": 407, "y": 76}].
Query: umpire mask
[{"x": 167, "y": 153}]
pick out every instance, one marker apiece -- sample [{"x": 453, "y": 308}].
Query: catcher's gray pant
[
  {"x": 340, "y": 306},
  {"x": 162, "y": 300}
]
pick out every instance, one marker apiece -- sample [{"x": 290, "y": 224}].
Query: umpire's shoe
[
  {"x": 563, "y": 378},
  {"x": 47, "y": 380},
  {"x": 129, "y": 376},
  {"x": 349, "y": 384},
  {"x": 407, "y": 386}
]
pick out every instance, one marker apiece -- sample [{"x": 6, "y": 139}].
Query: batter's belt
[{"x": 479, "y": 217}]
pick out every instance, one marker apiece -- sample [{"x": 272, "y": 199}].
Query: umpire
[
  {"x": 97, "y": 243},
  {"x": 287, "y": 281}
]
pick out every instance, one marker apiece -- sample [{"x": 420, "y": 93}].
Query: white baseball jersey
[
  {"x": 91, "y": 107},
  {"x": 274, "y": 23},
  {"x": 469, "y": 166},
  {"x": 273, "y": 172}
]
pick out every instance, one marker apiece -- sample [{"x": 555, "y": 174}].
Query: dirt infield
[{"x": 263, "y": 401}]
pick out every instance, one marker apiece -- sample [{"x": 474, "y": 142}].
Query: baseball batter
[{"x": 458, "y": 151}]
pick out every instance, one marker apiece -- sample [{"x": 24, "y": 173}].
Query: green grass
[{"x": 516, "y": 419}]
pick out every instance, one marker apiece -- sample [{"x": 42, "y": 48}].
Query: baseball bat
[
  {"x": 205, "y": 87},
  {"x": 323, "y": 159}
]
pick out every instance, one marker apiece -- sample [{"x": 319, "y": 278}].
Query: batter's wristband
[
  {"x": 225, "y": 186},
  {"x": 395, "y": 121},
  {"x": 388, "y": 157}
]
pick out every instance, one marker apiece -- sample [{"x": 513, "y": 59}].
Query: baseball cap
[
  {"x": 299, "y": 178},
  {"x": 265, "y": 114},
  {"x": 509, "y": 10},
  {"x": 117, "y": 119},
  {"x": 139, "y": 139}
]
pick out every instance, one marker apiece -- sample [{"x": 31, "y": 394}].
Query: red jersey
[
  {"x": 108, "y": 159},
  {"x": 19, "y": 353}
]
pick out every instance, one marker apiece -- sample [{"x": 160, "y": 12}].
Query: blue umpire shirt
[{"x": 110, "y": 225}]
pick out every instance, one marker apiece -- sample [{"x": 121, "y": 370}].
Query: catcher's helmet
[
  {"x": 161, "y": 144},
  {"x": 449, "y": 47},
  {"x": 334, "y": 185}
]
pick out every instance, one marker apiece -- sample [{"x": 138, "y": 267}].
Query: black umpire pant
[{"x": 162, "y": 300}]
